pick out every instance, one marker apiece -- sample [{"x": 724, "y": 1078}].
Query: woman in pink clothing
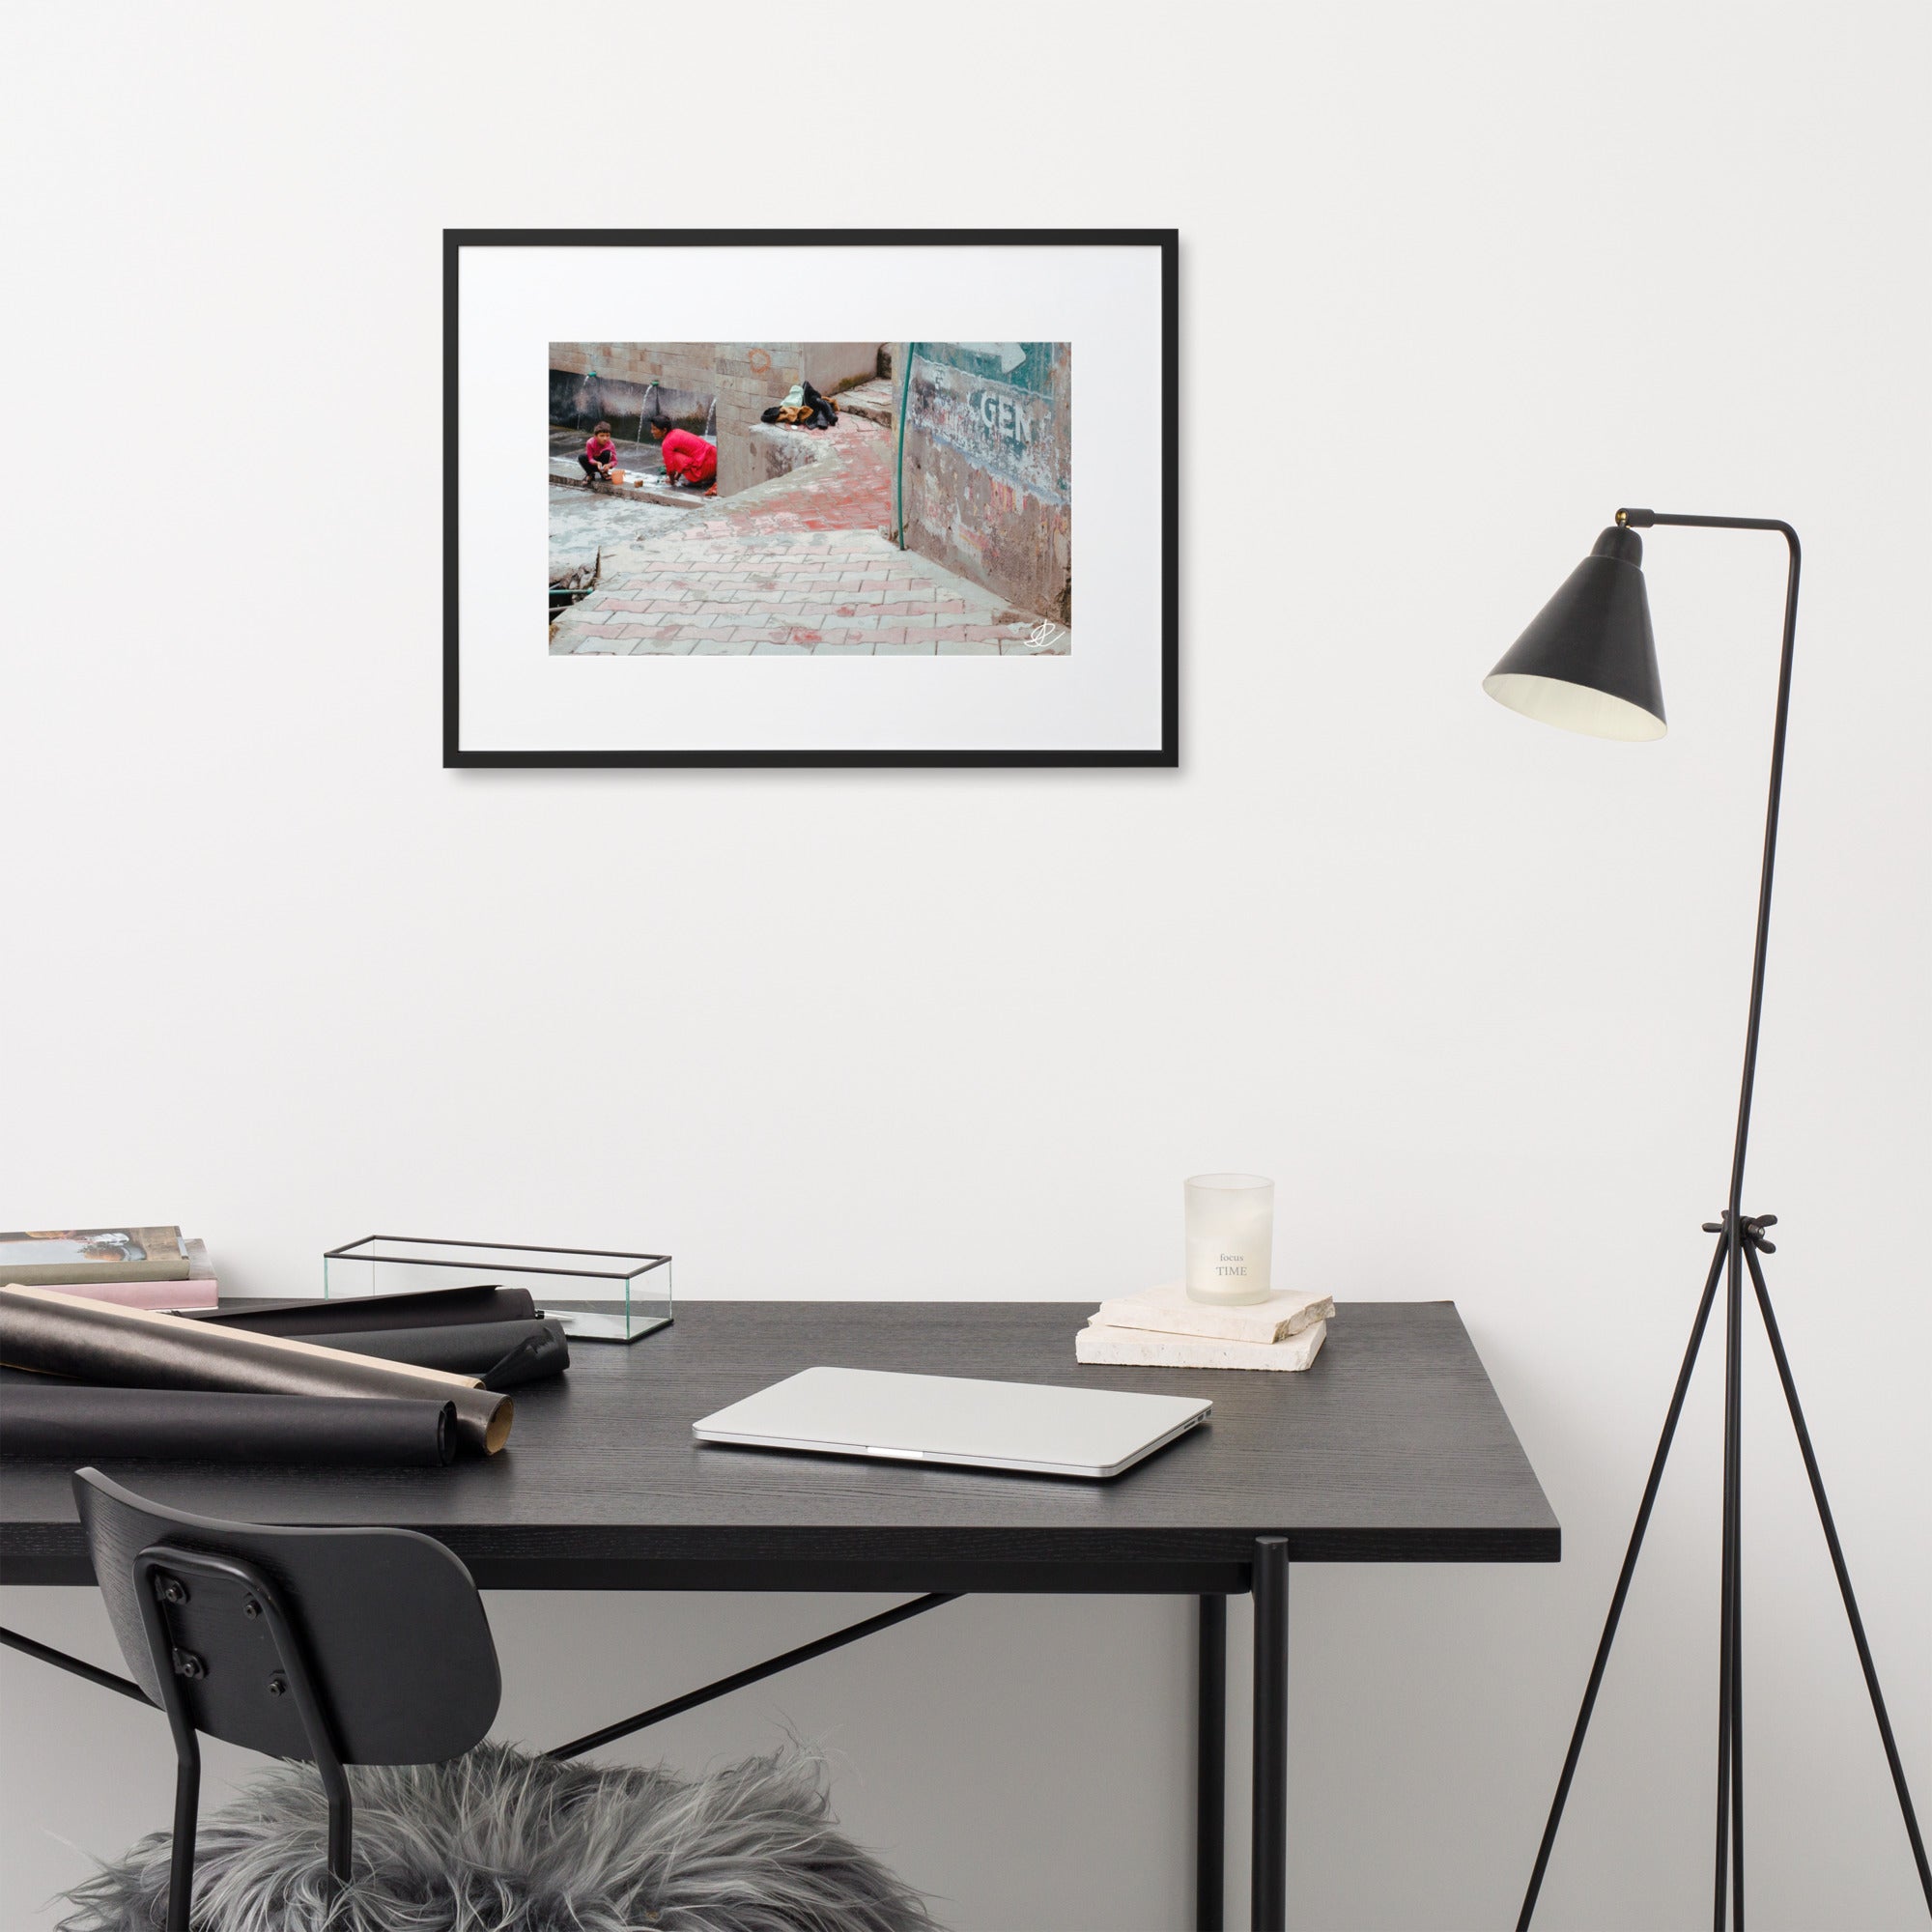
[{"x": 688, "y": 459}]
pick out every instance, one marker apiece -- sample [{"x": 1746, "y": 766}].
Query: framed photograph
[{"x": 731, "y": 534}]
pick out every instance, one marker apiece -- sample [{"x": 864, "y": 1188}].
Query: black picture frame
[{"x": 457, "y": 757}]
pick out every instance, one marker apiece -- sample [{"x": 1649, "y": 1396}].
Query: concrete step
[
  {"x": 877, "y": 401},
  {"x": 569, "y": 475}
]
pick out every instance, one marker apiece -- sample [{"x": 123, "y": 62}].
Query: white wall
[{"x": 1473, "y": 990}]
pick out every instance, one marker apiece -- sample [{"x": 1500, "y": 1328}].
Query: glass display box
[{"x": 598, "y": 1296}]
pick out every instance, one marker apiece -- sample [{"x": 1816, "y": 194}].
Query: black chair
[
  {"x": 370, "y": 1647},
  {"x": 329, "y": 1646}
]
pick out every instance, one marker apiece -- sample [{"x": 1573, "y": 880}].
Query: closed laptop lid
[{"x": 954, "y": 1419}]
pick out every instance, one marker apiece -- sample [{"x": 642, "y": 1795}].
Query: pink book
[{"x": 161, "y": 1295}]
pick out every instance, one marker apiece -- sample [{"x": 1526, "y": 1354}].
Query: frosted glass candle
[{"x": 1230, "y": 1237}]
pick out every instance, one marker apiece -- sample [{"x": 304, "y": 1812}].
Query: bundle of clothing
[{"x": 803, "y": 406}]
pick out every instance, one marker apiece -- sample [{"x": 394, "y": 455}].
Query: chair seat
[{"x": 499, "y": 1841}]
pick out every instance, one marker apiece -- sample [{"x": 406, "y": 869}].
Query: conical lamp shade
[{"x": 1588, "y": 662}]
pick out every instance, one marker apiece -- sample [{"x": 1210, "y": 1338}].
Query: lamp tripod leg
[
  {"x": 1622, "y": 1590},
  {"x": 1737, "y": 1459},
  {"x": 1729, "y": 1878},
  {"x": 1843, "y": 1575}
]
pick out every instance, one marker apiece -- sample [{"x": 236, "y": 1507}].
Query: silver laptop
[{"x": 1045, "y": 1431}]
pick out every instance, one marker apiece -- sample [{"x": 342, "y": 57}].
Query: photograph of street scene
[{"x": 810, "y": 498}]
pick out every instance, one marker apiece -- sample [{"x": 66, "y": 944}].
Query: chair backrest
[{"x": 391, "y": 1632}]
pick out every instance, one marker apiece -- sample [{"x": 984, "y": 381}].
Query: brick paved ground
[{"x": 798, "y": 567}]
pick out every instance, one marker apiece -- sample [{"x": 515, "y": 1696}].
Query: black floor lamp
[{"x": 1587, "y": 663}]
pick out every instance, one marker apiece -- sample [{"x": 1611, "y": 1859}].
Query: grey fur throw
[{"x": 495, "y": 1841}]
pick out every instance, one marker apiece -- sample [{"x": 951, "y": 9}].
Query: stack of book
[
  {"x": 131, "y": 1267},
  {"x": 1162, "y": 1328}
]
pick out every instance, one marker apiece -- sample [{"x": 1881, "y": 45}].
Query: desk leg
[
  {"x": 1210, "y": 1767},
  {"x": 1269, "y": 1892}
]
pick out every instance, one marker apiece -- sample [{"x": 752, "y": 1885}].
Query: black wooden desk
[{"x": 1391, "y": 1448}]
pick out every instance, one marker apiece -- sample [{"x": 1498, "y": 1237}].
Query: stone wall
[
  {"x": 777, "y": 452},
  {"x": 745, "y": 378},
  {"x": 987, "y": 483}
]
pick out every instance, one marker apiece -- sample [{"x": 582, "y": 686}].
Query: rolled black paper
[
  {"x": 465, "y": 1347},
  {"x": 524, "y": 1363},
  {"x": 138, "y": 1348},
  {"x": 363, "y": 1314},
  {"x": 65, "y": 1422}
]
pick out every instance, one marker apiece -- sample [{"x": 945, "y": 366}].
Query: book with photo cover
[
  {"x": 57, "y": 1257},
  {"x": 200, "y": 1292}
]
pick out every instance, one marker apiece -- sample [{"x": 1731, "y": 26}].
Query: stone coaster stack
[{"x": 1161, "y": 1328}]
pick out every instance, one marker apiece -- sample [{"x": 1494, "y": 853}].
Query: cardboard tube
[{"x": 138, "y": 1348}]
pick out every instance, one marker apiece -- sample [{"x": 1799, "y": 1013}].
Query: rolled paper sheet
[
  {"x": 465, "y": 1347},
  {"x": 363, "y": 1314},
  {"x": 74, "y": 1424},
  {"x": 135, "y": 1347},
  {"x": 526, "y": 1362}
]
